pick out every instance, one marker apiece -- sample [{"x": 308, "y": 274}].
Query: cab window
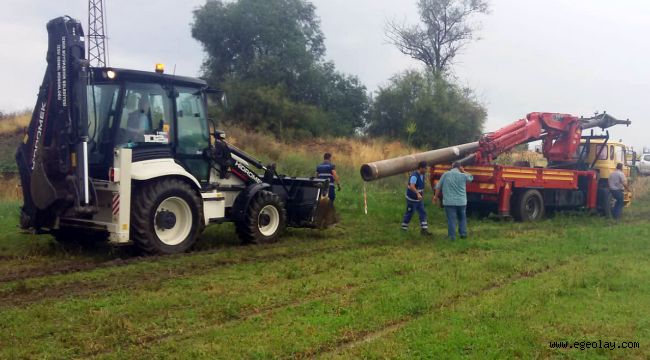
[
  {"x": 646, "y": 158},
  {"x": 102, "y": 103},
  {"x": 619, "y": 154},
  {"x": 146, "y": 115},
  {"x": 601, "y": 152},
  {"x": 193, "y": 135}
]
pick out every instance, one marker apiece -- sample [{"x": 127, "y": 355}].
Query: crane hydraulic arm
[{"x": 560, "y": 135}]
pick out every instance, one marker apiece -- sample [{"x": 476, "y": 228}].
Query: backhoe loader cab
[
  {"x": 127, "y": 155},
  {"x": 155, "y": 115}
]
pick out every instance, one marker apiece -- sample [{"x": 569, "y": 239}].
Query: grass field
[{"x": 363, "y": 289}]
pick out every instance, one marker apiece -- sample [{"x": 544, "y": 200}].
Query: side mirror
[
  {"x": 217, "y": 97},
  {"x": 214, "y": 132}
]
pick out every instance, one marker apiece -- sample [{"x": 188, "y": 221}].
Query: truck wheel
[
  {"x": 480, "y": 211},
  {"x": 265, "y": 219},
  {"x": 529, "y": 206},
  {"x": 605, "y": 202},
  {"x": 166, "y": 217}
]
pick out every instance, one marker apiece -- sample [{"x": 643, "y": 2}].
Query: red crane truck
[{"x": 575, "y": 177}]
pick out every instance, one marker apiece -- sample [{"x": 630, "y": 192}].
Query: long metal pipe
[{"x": 385, "y": 168}]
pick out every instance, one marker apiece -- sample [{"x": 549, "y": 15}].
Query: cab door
[{"x": 192, "y": 135}]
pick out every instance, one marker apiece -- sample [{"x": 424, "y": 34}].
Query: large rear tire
[
  {"x": 166, "y": 216},
  {"x": 606, "y": 202},
  {"x": 528, "y": 206},
  {"x": 265, "y": 220}
]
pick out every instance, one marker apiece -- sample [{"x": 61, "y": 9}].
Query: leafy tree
[
  {"x": 445, "y": 30},
  {"x": 269, "y": 41},
  {"x": 269, "y": 56},
  {"x": 426, "y": 110}
]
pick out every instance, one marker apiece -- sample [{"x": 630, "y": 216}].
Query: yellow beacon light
[{"x": 160, "y": 68}]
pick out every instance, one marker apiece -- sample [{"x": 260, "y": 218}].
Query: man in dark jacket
[
  {"x": 327, "y": 170},
  {"x": 415, "y": 199}
]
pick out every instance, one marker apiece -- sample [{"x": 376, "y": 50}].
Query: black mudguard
[{"x": 243, "y": 200}]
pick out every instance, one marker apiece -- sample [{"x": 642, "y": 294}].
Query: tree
[
  {"x": 271, "y": 40},
  {"x": 446, "y": 29},
  {"x": 269, "y": 56},
  {"x": 427, "y": 111}
]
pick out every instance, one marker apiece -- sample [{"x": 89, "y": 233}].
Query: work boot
[{"x": 425, "y": 232}]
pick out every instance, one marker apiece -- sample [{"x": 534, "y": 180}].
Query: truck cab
[{"x": 604, "y": 155}]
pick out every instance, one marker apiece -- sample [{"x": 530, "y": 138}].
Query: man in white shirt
[{"x": 617, "y": 184}]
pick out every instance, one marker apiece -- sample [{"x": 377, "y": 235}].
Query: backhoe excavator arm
[{"x": 52, "y": 159}]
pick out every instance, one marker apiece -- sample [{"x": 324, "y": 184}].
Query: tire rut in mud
[{"x": 22, "y": 295}]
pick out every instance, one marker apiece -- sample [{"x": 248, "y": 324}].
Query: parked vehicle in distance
[{"x": 643, "y": 165}]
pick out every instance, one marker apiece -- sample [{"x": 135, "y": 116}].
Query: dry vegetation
[
  {"x": 9, "y": 187},
  {"x": 512, "y": 157},
  {"x": 347, "y": 152},
  {"x": 14, "y": 123},
  {"x": 640, "y": 186}
]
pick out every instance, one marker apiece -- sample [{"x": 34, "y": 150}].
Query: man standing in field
[
  {"x": 453, "y": 186},
  {"x": 327, "y": 170},
  {"x": 415, "y": 199},
  {"x": 617, "y": 183}
]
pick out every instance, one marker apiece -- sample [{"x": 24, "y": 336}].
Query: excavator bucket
[{"x": 326, "y": 215}]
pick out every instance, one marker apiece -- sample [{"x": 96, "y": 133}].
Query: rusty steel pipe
[{"x": 389, "y": 167}]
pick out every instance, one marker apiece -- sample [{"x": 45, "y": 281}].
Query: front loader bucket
[{"x": 326, "y": 215}]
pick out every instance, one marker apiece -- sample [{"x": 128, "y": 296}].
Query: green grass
[{"x": 363, "y": 289}]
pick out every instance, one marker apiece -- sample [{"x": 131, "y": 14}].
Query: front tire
[
  {"x": 167, "y": 217},
  {"x": 529, "y": 206},
  {"x": 265, "y": 219}
]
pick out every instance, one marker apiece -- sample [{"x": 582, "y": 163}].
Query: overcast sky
[{"x": 576, "y": 57}]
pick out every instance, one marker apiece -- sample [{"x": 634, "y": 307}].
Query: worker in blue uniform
[
  {"x": 415, "y": 199},
  {"x": 327, "y": 170}
]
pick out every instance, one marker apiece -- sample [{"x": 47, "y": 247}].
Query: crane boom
[{"x": 560, "y": 135}]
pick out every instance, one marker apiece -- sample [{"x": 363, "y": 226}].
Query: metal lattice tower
[{"x": 97, "y": 44}]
